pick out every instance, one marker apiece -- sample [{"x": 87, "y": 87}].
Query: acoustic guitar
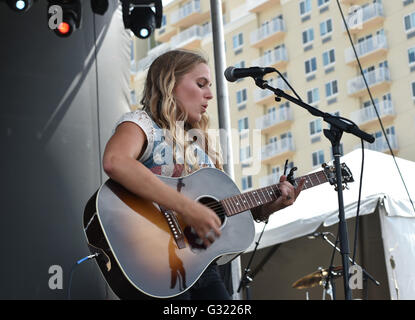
[{"x": 145, "y": 250}]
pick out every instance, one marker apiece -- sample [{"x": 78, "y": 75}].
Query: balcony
[
  {"x": 190, "y": 38},
  {"x": 277, "y": 59},
  {"x": 282, "y": 148},
  {"x": 271, "y": 120},
  {"x": 365, "y": 17},
  {"x": 381, "y": 145},
  {"x": 269, "y": 33},
  {"x": 378, "y": 79},
  {"x": 152, "y": 54},
  {"x": 260, "y": 5},
  {"x": 264, "y": 96},
  {"x": 269, "y": 180},
  {"x": 367, "y": 116},
  {"x": 189, "y": 14},
  {"x": 353, "y": 2},
  {"x": 370, "y": 49}
]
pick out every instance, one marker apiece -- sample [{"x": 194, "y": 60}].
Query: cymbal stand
[{"x": 365, "y": 273}]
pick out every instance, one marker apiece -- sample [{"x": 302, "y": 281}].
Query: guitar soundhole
[
  {"x": 196, "y": 244},
  {"x": 215, "y": 206}
]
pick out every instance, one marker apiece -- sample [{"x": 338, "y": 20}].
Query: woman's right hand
[{"x": 204, "y": 221}]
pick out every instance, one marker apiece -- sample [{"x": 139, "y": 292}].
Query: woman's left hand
[{"x": 288, "y": 196}]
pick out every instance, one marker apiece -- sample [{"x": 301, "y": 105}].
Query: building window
[
  {"x": 331, "y": 88},
  {"x": 315, "y": 127},
  {"x": 310, "y": 65},
  {"x": 326, "y": 27},
  {"x": 244, "y": 153},
  {"x": 329, "y": 58},
  {"x": 240, "y": 64},
  {"x": 317, "y": 158},
  {"x": 243, "y": 124},
  {"x": 246, "y": 182},
  {"x": 308, "y": 36},
  {"x": 241, "y": 96},
  {"x": 411, "y": 55},
  {"x": 409, "y": 22},
  {"x": 163, "y": 21},
  {"x": 133, "y": 97},
  {"x": 321, "y": 3},
  {"x": 413, "y": 90},
  {"x": 305, "y": 7},
  {"x": 237, "y": 41},
  {"x": 313, "y": 96}
]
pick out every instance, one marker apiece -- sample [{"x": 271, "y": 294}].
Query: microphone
[
  {"x": 232, "y": 74},
  {"x": 315, "y": 235}
]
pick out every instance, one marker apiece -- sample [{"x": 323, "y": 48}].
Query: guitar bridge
[{"x": 174, "y": 226}]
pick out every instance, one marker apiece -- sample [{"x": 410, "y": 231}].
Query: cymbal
[{"x": 317, "y": 278}]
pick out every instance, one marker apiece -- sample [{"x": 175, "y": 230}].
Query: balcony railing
[
  {"x": 381, "y": 145},
  {"x": 365, "y": 115},
  {"x": 274, "y": 118},
  {"x": 273, "y": 58},
  {"x": 277, "y": 148},
  {"x": 363, "y": 15},
  {"x": 259, "y": 5},
  {"x": 187, "y": 36},
  {"x": 185, "y": 11},
  {"x": 181, "y": 40},
  {"x": 274, "y": 28},
  {"x": 366, "y": 48},
  {"x": 373, "y": 78},
  {"x": 262, "y": 96}
]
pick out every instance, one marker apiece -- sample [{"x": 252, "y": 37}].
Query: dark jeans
[{"x": 210, "y": 286}]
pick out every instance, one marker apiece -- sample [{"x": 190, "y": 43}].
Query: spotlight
[
  {"x": 20, "y": 5},
  {"x": 99, "y": 6},
  {"x": 71, "y": 16},
  {"x": 140, "y": 18}
]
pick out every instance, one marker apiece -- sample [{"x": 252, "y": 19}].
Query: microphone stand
[
  {"x": 334, "y": 134},
  {"x": 246, "y": 279}
]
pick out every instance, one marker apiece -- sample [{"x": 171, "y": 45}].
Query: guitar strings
[{"x": 219, "y": 206}]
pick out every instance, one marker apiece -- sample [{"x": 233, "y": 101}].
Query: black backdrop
[{"x": 59, "y": 100}]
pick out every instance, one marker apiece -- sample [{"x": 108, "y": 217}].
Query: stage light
[
  {"x": 99, "y": 6},
  {"x": 71, "y": 16},
  {"x": 140, "y": 17},
  {"x": 143, "y": 22},
  {"x": 20, "y": 5}
]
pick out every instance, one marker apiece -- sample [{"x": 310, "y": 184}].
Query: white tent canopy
[{"x": 381, "y": 184}]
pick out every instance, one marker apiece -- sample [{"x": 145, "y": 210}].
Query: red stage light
[{"x": 64, "y": 28}]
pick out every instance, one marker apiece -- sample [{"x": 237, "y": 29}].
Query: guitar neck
[{"x": 256, "y": 198}]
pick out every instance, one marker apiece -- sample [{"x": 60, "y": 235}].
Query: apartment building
[{"x": 307, "y": 42}]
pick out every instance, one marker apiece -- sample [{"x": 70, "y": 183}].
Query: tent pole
[{"x": 224, "y": 114}]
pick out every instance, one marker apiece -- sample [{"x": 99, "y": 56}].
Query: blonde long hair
[{"x": 160, "y": 104}]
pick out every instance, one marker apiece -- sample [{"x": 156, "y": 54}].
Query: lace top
[{"x": 158, "y": 155}]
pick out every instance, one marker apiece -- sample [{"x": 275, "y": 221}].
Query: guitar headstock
[{"x": 330, "y": 172}]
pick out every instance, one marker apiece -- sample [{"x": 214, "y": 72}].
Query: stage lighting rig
[
  {"x": 140, "y": 18},
  {"x": 71, "y": 16},
  {"x": 20, "y": 6}
]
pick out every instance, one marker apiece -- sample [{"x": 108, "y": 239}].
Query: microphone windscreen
[{"x": 229, "y": 74}]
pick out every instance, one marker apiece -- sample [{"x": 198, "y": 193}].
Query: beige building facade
[{"x": 307, "y": 42}]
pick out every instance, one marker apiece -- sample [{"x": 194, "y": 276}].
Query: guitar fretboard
[{"x": 252, "y": 199}]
